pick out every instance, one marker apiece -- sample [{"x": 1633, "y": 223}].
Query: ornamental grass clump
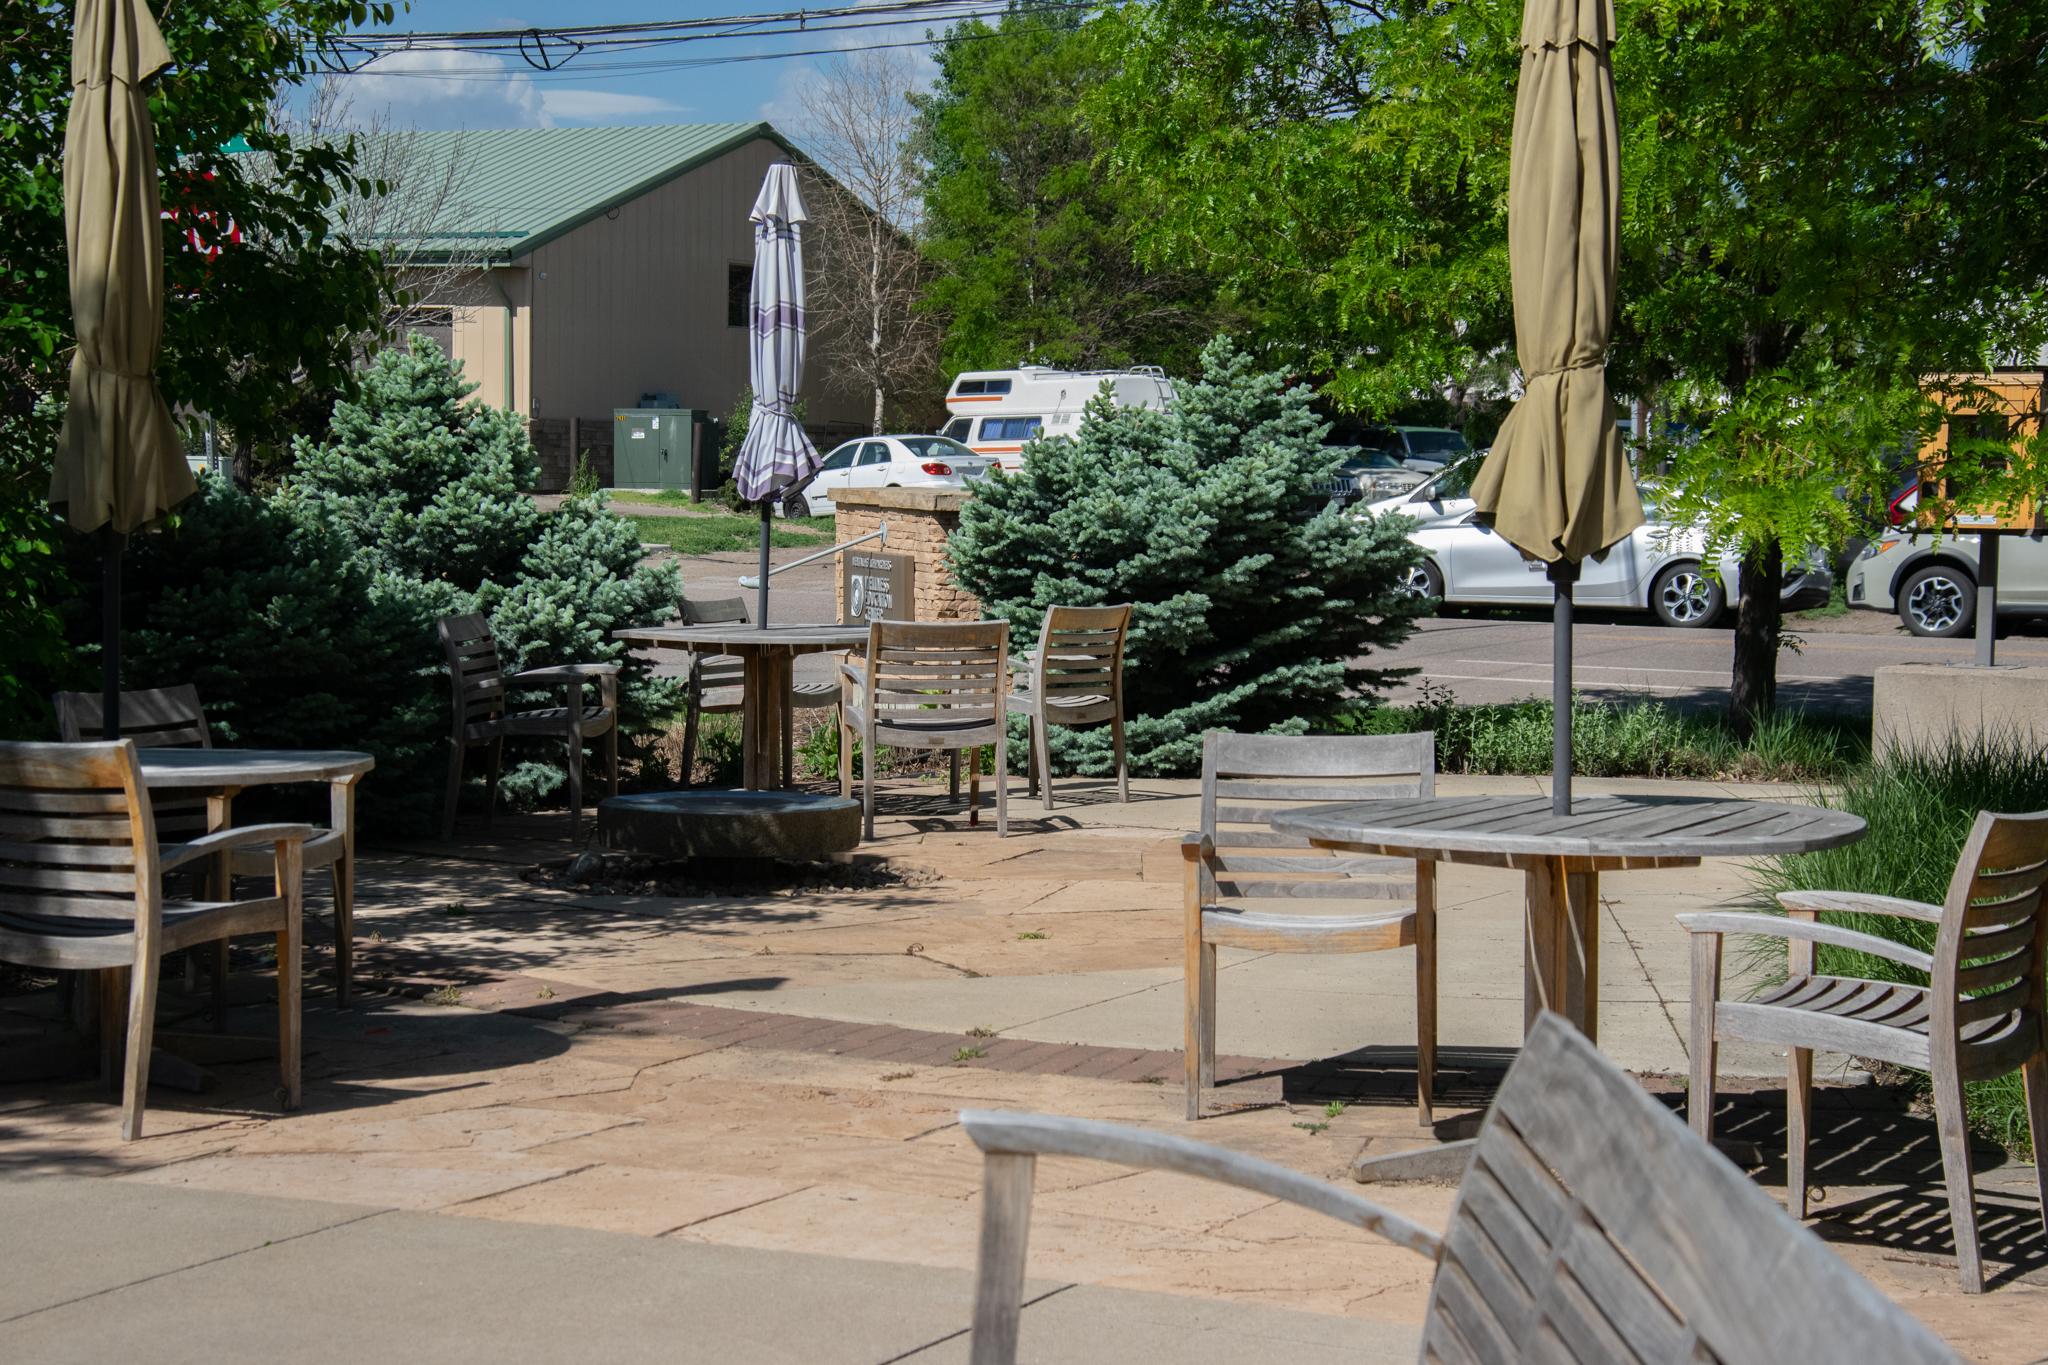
[
  {"x": 1253, "y": 599},
  {"x": 1919, "y": 806}
]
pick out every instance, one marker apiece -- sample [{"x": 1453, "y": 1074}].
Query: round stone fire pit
[{"x": 729, "y": 824}]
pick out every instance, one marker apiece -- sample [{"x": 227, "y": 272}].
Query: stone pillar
[{"x": 920, "y": 522}]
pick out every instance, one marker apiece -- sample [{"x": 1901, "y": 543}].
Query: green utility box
[{"x": 657, "y": 448}]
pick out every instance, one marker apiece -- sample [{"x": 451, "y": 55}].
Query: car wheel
[
  {"x": 1421, "y": 579},
  {"x": 1685, "y": 597},
  {"x": 1939, "y": 600}
]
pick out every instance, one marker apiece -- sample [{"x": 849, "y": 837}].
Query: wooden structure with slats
[
  {"x": 1979, "y": 1017},
  {"x": 174, "y": 718},
  {"x": 478, "y": 684},
  {"x": 927, "y": 685},
  {"x": 81, "y": 889},
  {"x": 1590, "y": 1226},
  {"x": 716, "y": 685},
  {"x": 1341, "y": 903},
  {"x": 1074, "y": 677}
]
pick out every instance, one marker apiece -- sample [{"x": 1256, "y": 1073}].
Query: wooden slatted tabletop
[
  {"x": 1561, "y": 858},
  {"x": 1598, "y": 827}
]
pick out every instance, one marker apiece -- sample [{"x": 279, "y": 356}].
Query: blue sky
[{"x": 477, "y": 90}]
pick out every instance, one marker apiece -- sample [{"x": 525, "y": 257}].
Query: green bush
[
  {"x": 1919, "y": 807},
  {"x": 307, "y": 617},
  {"x": 1252, "y": 598},
  {"x": 35, "y": 579},
  {"x": 1620, "y": 739}
]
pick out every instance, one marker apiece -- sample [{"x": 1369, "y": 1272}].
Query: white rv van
[{"x": 996, "y": 411}]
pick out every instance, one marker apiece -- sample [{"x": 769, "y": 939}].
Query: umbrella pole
[
  {"x": 761, "y": 607},
  {"x": 110, "y": 636},
  {"x": 1563, "y": 573}
]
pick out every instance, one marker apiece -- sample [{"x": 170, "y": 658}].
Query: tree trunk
[{"x": 1753, "y": 690}]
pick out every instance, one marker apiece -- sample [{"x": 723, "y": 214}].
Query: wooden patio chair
[
  {"x": 477, "y": 682},
  {"x": 1074, "y": 677},
  {"x": 1238, "y": 857},
  {"x": 81, "y": 889},
  {"x": 1979, "y": 1017},
  {"x": 173, "y": 718},
  {"x": 927, "y": 685},
  {"x": 1589, "y": 1226},
  {"x": 716, "y": 682}
]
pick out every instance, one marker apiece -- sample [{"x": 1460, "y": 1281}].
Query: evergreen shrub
[{"x": 1253, "y": 598}]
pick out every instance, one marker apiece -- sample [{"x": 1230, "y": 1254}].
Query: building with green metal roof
[{"x": 574, "y": 271}]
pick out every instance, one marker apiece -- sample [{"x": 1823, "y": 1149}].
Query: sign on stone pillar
[{"x": 878, "y": 586}]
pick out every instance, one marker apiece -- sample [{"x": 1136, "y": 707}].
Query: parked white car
[
  {"x": 893, "y": 462},
  {"x": 1931, "y": 582},
  {"x": 1659, "y": 568}
]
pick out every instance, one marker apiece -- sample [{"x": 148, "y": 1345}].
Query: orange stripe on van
[{"x": 977, "y": 397}]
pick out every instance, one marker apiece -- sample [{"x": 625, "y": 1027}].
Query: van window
[
  {"x": 1010, "y": 428},
  {"x": 981, "y": 386},
  {"x": 958, "y": 428}
]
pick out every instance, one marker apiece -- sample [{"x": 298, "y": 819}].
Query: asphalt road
[{"x": 1505, "y": 656}]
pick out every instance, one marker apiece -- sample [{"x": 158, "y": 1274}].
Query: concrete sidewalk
[{"x": 127, "y": 1272}]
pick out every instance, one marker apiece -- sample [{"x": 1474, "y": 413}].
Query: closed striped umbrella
[{"x": 776, "y": 453}]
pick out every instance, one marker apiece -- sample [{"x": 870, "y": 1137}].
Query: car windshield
[
  {"x": 1430, "y": 442},
  {"x": 935, "y": 448},
  {"x": 1454, "y": 482}
]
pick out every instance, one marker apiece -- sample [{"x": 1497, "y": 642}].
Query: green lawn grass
[
  {"x": 713, "y": 532},
  {"x": 661, "y": 497}
]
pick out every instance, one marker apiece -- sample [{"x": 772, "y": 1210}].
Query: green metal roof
[{"x": 522, "y": 187}]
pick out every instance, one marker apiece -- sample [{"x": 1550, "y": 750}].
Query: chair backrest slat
[
  {"x": 1248, "y": 779},
  {"x": 936, "y": 676},
  {"x": 155, "y": 718},
  {"x": 714, "y": 611},
  {"x": 1992, "y": 945},
  {"x": 1080, "y": 652},
  {"x": 75, "y": 837},
  {"x": 476, "y": 673}
]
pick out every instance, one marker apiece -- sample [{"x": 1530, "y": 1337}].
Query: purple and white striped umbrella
[{"x": 776, "y": 452}]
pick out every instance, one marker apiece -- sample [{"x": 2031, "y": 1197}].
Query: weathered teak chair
[
  {"x": 927, "y": 685},
  {"x": 81, "y": 889},
  {"x": 1238, "y": 857},
  {"x": 1979, "y": 1018},
  {"x": 716, "y": 684},
  {"x": 478, "y": 682},
  {"x": 173, "y": 718},
  {"x": 1074, "y": 677},
  {"x": 1589, "y": 1226}
]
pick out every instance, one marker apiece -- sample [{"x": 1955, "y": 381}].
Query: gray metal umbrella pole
[{"x": 1563, "y": 573}]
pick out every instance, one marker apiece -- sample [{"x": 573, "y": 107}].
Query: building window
[{"x": 739, "y": 294}]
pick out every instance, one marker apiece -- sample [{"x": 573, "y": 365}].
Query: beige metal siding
[
  {"x": 634, "y": 301},
  {"x": 479, "y": 334}
]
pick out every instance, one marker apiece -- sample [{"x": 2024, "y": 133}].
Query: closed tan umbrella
[
  {"x": 120, "y": 464},
  {"x": 1556, "y": 484}
]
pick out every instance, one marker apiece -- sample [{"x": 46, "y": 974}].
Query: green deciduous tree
[
  {"x": 1819, "y": 196},
  {"x": 1253, "y": 599},
  {"x": 1031, "y": 243}
]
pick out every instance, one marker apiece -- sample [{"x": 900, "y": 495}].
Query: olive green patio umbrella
[
  {"x": 1556, "y": 484},
  {"x": 120, "y": 464}
]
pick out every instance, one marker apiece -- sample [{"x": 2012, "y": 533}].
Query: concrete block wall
[
  {"x": 552, "y": 437},
  {"x": 920, "y": 522}
]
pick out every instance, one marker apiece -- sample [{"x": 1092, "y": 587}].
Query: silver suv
[{"x": 1932, "y": 583}]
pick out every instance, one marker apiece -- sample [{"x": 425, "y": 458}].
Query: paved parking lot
[{"x": 1504, "y": 655}]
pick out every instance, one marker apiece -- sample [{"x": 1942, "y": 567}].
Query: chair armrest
[
  {"x": 1011, "y": 1134},
  {"x": 1857, "y": 903},
  {"x": 227, "y": 840},
  {"x": 1771, "y": 926},
  {"x": 853, "y": 672},
  {"x": 1195, "y": 846},
  {"x": 563, "y": 673}
]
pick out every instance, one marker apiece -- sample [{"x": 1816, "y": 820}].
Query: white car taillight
[{"x": 936, "y": 467}]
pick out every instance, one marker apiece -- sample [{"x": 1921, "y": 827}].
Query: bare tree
[
  {"x": 865, "y": 201},
  {"x": 414, "y": 216}
]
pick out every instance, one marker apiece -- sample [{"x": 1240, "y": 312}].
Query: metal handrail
[{"x": 753, "y": 580}]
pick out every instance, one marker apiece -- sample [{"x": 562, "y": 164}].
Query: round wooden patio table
[
  {"x": 1561, "y": 859},
  {"x": 769, "y": 655}
]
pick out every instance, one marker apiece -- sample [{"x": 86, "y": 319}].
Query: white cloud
[
  {"x": 603, "y": 106},
  {"x": 448, "y": 90},
  {"x": 479, "y": 90}
]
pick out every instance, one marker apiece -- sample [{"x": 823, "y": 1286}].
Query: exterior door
[
  {"x": 1484, "y": 567},
  {"x": 835, "y": 470},
  {"x": 871, "y": 466}
]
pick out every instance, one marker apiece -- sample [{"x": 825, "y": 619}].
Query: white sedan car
[
  {"x": 893, "y": 462},
  {"x": 1659, "y": 568}
]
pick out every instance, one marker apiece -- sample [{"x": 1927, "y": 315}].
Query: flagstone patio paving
[{"x": 781, "y": 1071}]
